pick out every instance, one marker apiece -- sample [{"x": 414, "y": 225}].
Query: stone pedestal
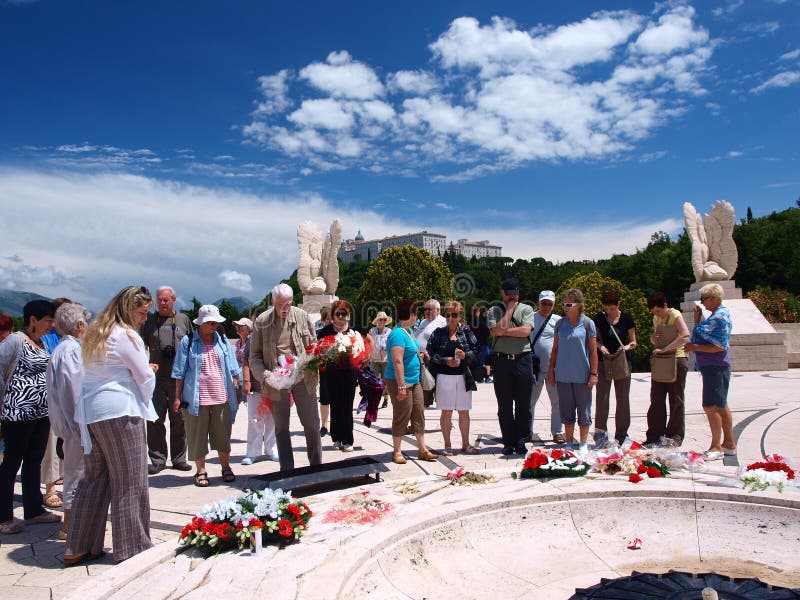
[
  {"x": 755, "y": 344},
  {"x": 313, "y": 303}
]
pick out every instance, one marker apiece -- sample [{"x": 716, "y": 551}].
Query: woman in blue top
[
  {"x": 402, "y": 379},
  {"x": 709, "y": 341},
  {"x": 573, "y": 366}
]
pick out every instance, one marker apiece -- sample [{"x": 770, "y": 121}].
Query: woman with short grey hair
[{"x": 64, "y": 383}]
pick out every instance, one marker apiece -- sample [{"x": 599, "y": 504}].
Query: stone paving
[{"x": 766, "y": 408}]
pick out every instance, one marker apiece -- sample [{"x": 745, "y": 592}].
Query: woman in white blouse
[{"x": 117, "y": 389}]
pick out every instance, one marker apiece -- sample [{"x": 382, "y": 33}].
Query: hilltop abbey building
[{"x": 358, "y": 249}]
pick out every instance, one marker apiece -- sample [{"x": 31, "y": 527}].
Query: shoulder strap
[
  {"x": 613, "y": 330},
  {"x": 541, "y": 329}
]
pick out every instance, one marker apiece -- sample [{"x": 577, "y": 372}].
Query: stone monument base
[
  {"x": 755, "y": 344},
  {"x": 313, "y": 303}
]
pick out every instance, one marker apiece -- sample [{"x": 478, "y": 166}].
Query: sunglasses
[
  {"x": 704, "y": 298},
  {"x": 426, "y": 309},
  {"x": 451, "y": 315},
  {"x": 144, "y": 290},
  {"x": 569, "y": 304},
  {"x": 343, "y": 315}
]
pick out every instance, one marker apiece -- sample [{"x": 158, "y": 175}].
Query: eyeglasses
[
  {"x": 704, "y": 298},
  {"x": 569, "y": 304},
  {"x": 427, "y": 309},
  {"x": 451, "y": 315},
  {"x": 341, "y": 315}
]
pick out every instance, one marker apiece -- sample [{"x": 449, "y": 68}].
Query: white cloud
[
  {"x": 343, "y": 77},
  {"x": 735, "y": 154},
  {"x": 781, "y": 80},
  {"x": 326, "y": 114},
  {"x": 413, "y": 82},
  {"x": 15, "y": 274},
  {"x": 794, "y": 54},
  {"x": 274, "y": 90},
  {"x": 589, "y": 89},
  {"x": 235, "y": 280},
  {"x": 444, "y": 206}
]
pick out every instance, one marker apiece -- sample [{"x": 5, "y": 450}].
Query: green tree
[
  {"x": 403, "y": 272},
  {"x": 594, "y": 285}
]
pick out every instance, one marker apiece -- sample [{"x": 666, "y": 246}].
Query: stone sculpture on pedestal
[
  {"x": 714, "y": 255},
  {"x": 318, "y": 271},
  {"x": 755, "y": 345}
]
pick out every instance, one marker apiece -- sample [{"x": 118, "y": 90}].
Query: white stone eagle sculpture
[
  {"x": 318, "y": 271},
  {"x": 714, "y": 254}
]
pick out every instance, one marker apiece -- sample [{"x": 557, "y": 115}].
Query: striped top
[{"x": 212, "y": 385}]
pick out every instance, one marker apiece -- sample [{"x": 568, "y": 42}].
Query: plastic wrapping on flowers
[
  {"x": 343, "y": 348},
  {"x": 285, "y": 375},
  {"x": 774, "y": 470},
  {"x": 541, "y": 464},
  {"x": 228, "y": 524}
]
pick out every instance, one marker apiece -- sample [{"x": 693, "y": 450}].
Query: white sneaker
[
  {"x": 247, "y": 460},
  {"x": 583, "y": 448},
  {"x": 273, "y": 457},
  {"x": 337, "y": 445},
  {"x": 347, "y": 448}
]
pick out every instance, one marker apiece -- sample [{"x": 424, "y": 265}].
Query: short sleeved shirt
[
  {"x": 572, "y": 363},
  {"x": 400, "y": 337},
  {"x": 670, "y": 318},
  {"x": 607, "y": 336},
  {"x": 523, "y": 315}
]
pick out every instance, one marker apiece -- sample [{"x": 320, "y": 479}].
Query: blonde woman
[{"x": 117, "y": 390}]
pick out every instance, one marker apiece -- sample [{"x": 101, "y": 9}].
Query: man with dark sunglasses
[{"x": 510, "y": 326}]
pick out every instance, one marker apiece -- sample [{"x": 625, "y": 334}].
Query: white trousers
[{"x": 260, "y": 430}]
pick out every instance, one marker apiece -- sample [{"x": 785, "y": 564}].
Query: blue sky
[{"x": 183, "y": 142}]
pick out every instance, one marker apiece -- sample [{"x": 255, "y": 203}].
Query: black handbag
[{"x": 537, "y": 363}]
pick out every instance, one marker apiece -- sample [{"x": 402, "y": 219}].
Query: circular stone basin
[{"x": 549, "y": 549}]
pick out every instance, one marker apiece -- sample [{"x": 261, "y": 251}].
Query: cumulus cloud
[
  {"x": 496, "y": 97},
  {"x": 102, "y": 234},
  {"x": 235, "y": 280}
]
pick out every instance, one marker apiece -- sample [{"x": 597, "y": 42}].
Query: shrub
[{"x": 778, "y": 306}]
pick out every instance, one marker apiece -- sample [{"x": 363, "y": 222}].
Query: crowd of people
[{"x": 103, "y": 391}]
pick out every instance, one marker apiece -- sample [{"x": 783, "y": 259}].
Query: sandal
[
  {"x": 201, "y": 479},
  {"x": 45, "y": 517},
  {"x": 228, "y": 476},
  {"x": 52, "y": 500},
  {"x": 11, "y": 527},
  {"x": 447, "y": 451},
  {"x": 78, "y": 559},
  {"x": 470, "y": 450}
]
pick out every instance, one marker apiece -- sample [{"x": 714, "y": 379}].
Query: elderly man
[
  {"x": 542, "y": 336},
  {"x": 286, "y": 330},
  {"x": 162, "y": 332},
  {"x": 431, "y": 321},
  {"x": 510, "y": 325}
]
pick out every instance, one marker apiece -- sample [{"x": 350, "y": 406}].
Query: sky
[{"x": 182, "y": 142}]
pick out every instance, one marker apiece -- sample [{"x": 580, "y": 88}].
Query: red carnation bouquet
[
  {"x": 343, "y": 349},
  {"x": 540, "y": 464}
]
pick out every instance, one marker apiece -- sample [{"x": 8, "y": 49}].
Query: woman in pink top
[{"x": 206, "y": 377}]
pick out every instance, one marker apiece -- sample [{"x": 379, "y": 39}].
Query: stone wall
[{"x": 792, "y": 332}]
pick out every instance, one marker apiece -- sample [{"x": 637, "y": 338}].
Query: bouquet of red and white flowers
[
  {"x": 773, "y": 470},
  {"x": 273, "y": 514},
  {"x": 343, "y": 349},
  {"x": 540, "y": 464}
]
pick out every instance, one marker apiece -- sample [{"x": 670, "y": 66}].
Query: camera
[{"x": 168, "y": 351}]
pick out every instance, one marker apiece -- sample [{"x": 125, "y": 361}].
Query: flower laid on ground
[
  {"x": 648, "y": 469},
  {"x": 460, "y": 476},
  {"x": 540, "y": 464},
  {"x": 343, "y": 348},
  {"x": 361, "y": 508},
  {"x": 228, "y": 524},
  {"x": 773, "y": 470}
]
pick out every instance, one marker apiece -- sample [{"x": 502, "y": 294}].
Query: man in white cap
[
  {"x": 544, "y": 323},
  {"x": 162, "y": 331},
  {"x": 285, "y": 330}
]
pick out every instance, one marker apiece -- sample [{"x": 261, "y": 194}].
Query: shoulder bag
[
  {"x": 537, "y": 363},
  {"x": 615, "y": 366},
  {"x": 664, "y": 367},
  {"x": 426, "y": 380}
]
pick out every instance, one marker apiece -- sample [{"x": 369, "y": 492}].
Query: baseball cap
[
  {"x": 244, "y": 321},
  {"x": 511, "y": 286},
  {"x": 547, "y": 295}
]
